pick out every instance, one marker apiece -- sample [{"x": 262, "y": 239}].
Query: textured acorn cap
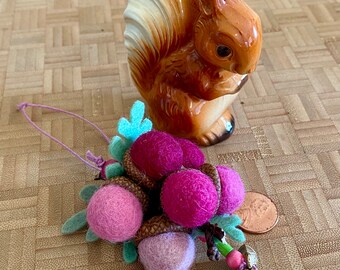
[
  {"x": 129, "y": 185},
  {"x": 136, "y": 175},
  {"x": 211, "y": 171},
  {"x": 157, "y": 225}
]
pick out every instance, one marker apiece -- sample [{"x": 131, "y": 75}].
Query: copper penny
[{"x": 258, "y": 213}]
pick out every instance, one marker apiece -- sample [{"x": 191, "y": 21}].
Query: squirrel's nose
[{"x": 243, "y": 69}]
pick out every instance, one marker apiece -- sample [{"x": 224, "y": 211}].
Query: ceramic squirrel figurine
[{"x": 189, "y": 59}]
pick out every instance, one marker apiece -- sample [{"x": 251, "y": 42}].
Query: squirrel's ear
[{"x": 206, "y": 6}]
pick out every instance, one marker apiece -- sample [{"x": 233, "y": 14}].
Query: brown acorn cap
[
  {"x": 129, "y": 185},
  {"x": 136, "y": 175},
  {"x": 211, "y": 171},
  {"x": 157, "y": 225}
]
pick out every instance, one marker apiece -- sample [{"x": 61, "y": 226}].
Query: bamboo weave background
[{"x": 70, "y": 54}]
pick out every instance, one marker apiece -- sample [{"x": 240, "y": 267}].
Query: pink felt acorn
[
  {"x": 115, "y": 211},
  {"x": 155, "y": 155},
  {"x": 192, "y": 197},
  {"x": 114, "y": 214},
  {"x": 189, "y": 198}
]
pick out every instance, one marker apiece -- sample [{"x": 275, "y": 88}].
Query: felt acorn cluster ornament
[
  {"x": 158, "y": 196},
  {"x": 194, "y": 195}
]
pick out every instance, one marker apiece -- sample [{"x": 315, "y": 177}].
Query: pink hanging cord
[{"x": 99, "y": 161}]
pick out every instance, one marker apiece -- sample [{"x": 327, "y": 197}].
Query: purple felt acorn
[
  {"x": 162, "y": 244},
  {"x": 168, "y": 251}
]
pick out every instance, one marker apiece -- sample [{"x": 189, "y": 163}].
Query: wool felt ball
[
  {"x": 157, "y": 154},
  {"x": 232, "y": 190},
  {"x": 167, "y": 251},
  {"x": 189, "y": 198},
  {"x": 114, "y": 214},
  {"x": 193, "y": 157}
]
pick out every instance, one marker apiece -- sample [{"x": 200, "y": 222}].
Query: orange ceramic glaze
[{"x": 189, "y": 59}]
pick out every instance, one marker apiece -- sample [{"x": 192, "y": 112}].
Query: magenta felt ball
[
  {"x": 189, "y": 198},
  {"x": 192, "y": 155},
  {"x": 157, "y": 154},
  {"x": 232, "y": 190},
  {"x": 114, "y": 214},
  {"x": 167, "y": 251}
]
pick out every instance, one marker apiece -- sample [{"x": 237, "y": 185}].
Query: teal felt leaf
[
  {"x": 226, "y": 221},
  {"x": 132, "y": 129},
  {"x": 87, "y": 192},
  {"x": 118, "y": 147},
  {"x": 74, "y": 223},
  {"x": 236, "y": 234},
  {"x": 229, "y": 225},
  {"x": 129, "y": 252},
  {"x": 137, "y": 112},
  {"x": 114, "y": 170},
  {"x": 90, "y": 236}
]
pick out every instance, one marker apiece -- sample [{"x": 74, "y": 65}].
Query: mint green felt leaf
[
  {"x": 229, "y": 225},
  {"x": 87, "y": 192},
  {"x": 132, "y": 129},
  {"x": 74, "y": 223},
  {"x": 129, "y": 252},
  {"x": 114, "y": 170},
  {"x": 90, "y": 236},
  {"x": 118, "y": 147}
]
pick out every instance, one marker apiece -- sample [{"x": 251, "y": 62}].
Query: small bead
[{"x": 234, "y": 259}]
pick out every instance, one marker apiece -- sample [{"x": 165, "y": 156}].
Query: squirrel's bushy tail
[{"x": 153, "y": 28}]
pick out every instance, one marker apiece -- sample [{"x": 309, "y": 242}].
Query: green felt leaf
[
  {"x": 87, "y": 192},
  {"x": 74, "y": 223},
  {"x": 90, "y": 236},
  {"x": 113, "y": 170},
  {"x": 129, "y": 252},
  {"x": 118, "y": 147}
]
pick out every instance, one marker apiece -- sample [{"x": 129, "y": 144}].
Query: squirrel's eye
[{"x": 223, "y": 51}]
